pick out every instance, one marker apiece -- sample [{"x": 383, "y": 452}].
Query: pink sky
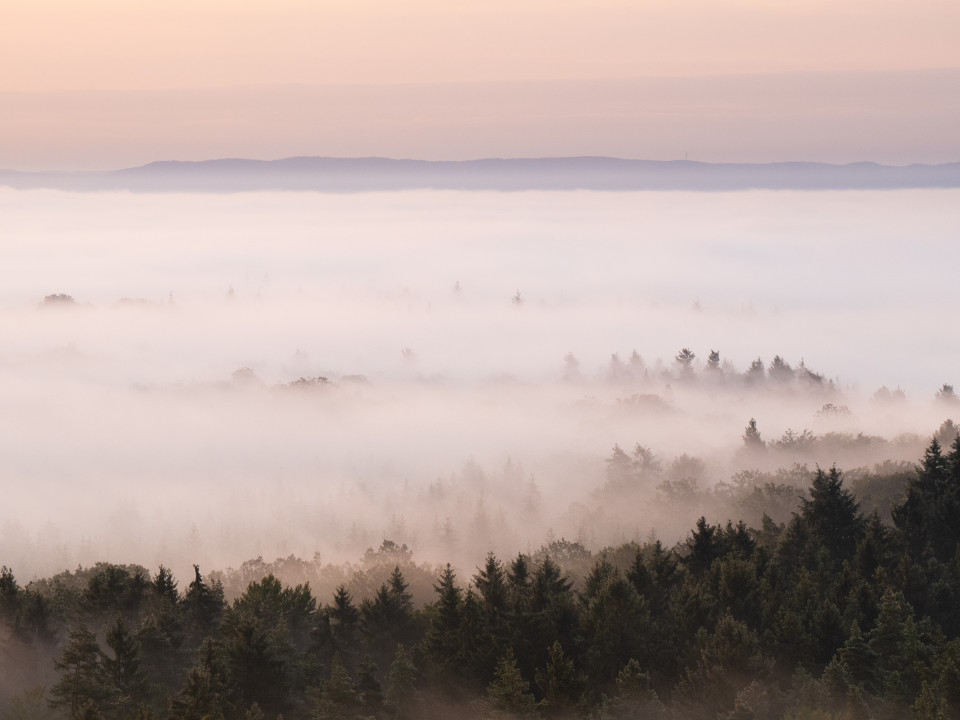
[{"x": 107, "y": 83}]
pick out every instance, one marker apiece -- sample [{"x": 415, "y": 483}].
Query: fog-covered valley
[{"x": 268, "y": 374}]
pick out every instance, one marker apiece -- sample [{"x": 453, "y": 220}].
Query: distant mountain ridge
[{"x": 328, "y": 174}]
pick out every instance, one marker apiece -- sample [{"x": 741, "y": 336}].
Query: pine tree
[
  {"x": 947, "y": 536},
  {"x": 615, "y": 619},
  {"x": 257, "y": 641},
  {"x": 620, "y": 469},
  {"x": 509, "y": 694},
  {"x": 704, "y": 546},
  {"x": 442, "y": 642},
  {"x": 684, "y": 361},
  {"x": 640, "y": 577},
  {"x": 338, "y": 698},
  {"x": 635, "y": 698},
  {"x": 859, "y": 662},
  {"x": 713, "y": 361},
  {"x": 549, "y": 584},
  {"x": 780, "y": 371},
  {"x": 751, "y": 437},
  {"x": 886, "y": 637},
  {"x": 9, "y": 596},
  {"x": 915, "y": 516},
  {"x": 206, "y": 692},
  {"x": 401, "y": 695},
  {"x": 929, "y": 705},
  {"x": 756, "y": 372},
  {"x": 559, "y": 683},
  {"x": 344, "y": 616},
  {"x": 165, "y": 586},
  {"x": 398, "y": 589},
  {"x": 490, "y": 582},
  {"x": 832, "y": 514},
  {"x": 82, "y": 688},
  {"x": 518, "y": 585},
  {"x": 204, "y": 606}
]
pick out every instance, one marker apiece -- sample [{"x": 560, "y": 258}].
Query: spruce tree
[
  {"x": 490, "y": 583},
  {"x": 122, "y": 672},
  {"x": 443, "y": 641},
  {"x": 920, "y": 518},
  {"x": 833, "y": 515},
  {"x": 203, "y": 605},
  {"x": 343, "y": 614}
]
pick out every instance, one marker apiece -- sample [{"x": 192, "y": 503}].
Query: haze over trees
[
  {"x": 832, "y": 612},
  {"x": 289, "y": 480}
]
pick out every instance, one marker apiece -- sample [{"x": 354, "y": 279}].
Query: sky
[{"x": 105, "y": 83}]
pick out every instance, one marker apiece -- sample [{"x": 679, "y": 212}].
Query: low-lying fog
[{"x": 157, "y": 417}]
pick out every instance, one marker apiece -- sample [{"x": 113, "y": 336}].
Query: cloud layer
[{"x": 128, "y": 434}]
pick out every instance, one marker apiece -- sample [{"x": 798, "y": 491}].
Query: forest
[{"x": 832, "y": 613}]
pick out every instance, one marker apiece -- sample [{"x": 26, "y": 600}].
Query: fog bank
[{"x": 158, "y": 416}]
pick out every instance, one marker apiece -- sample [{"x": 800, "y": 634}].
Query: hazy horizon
[
  {"x": 125, "y": 428},
  {"x": 908, "y": 116},
  {"x": 108, "y": 85}
]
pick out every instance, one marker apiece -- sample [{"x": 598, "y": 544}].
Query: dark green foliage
[
  {"x": 122, "y": 672},
  {"x": 203, "y": 606},
  {"x": 827, "y": 615},
  {"x": 401, "y": 698},
  {"x": 616, "y": 619},
  {"x": 635, "y": 698},
  {"x": 490, "y": 583},
  {"x": 162, "y": 636},
  {"x": 560, "y": 684},
  {"x": 832, "y": 515},
  {"x": 206, "y": 693},
  {"x": 9, "y": 595},
  {"x": 265, "y": 633},
  {"x": 370, "y": 687},
  {"x": 82, "y": 689},
  {"x": 165, "y": 586},
  {"x": 338, "y": 698},
  {"x": 344, "y": 616},
  {"x": 508, "y": 693},
  {"x": 115, "y": 588},
  {"x": 704, "y": 547},
  {"x": 928, "y": 515},
  {"x": 858, "y": 662},
  {"x": 443, "y": 642},
  {"x": 730, "y": 658},
  {"x": 387, "y": 619}
]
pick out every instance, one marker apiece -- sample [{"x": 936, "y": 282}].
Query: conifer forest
[{"x": 835, "y": 612}]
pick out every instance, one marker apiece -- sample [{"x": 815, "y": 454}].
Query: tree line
[{"x": 830, "y": 614}]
